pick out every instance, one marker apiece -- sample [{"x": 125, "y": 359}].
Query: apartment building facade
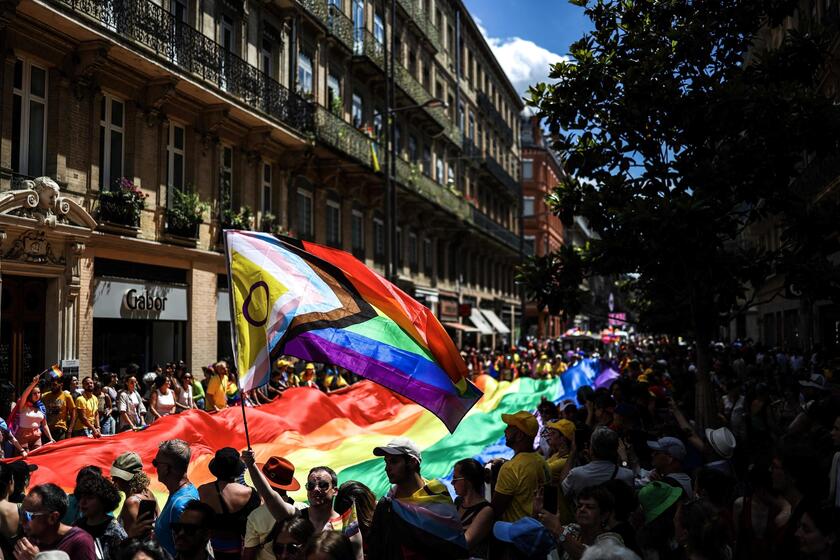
[
  {"x": 542, "y": 171},
  {"x": 274, "y": 114}
]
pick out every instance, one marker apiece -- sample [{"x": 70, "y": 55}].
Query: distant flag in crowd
[
  {"x": 374, "y": 158},
  {"x": 55, "y": 372},
  {"x": 320, "y": 304}
]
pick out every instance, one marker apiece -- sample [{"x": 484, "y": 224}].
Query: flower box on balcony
[{"x": 122, "y": 205}]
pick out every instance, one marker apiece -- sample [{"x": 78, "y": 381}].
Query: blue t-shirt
[{"x": 171, "y": 513}]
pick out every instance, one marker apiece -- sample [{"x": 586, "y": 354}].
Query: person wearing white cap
[{"x": 393, "y": 535}]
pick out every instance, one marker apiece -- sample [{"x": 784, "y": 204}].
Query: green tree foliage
[{"x": 682, "y": 127}]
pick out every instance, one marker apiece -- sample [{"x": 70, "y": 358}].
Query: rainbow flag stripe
[
  {"x": 296, "y": 298},
  {"x": 311, "y": 428}
]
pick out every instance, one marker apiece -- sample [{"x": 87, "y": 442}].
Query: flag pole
[{"x": 234, "y": 346}]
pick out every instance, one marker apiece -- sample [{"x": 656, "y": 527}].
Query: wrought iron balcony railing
[
  {"x": 470, "y": 152},
  {"x": 500, "y": 232},
  {"x": 317, "y": 8},
  {"x": 412, "y": 177},
  {"x": 499, "y": 174},
  {"x": 341, "y": 135},
  {"x": 340, "y": 26},
  {"x": 490, "y": 111},
  {"x": 367, "y": 46},
  {"x": 174, "y": 43},
  {"x": 422, "y": 21}
]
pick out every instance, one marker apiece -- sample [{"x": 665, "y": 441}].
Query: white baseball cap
[{"x": 399, "y": 446}]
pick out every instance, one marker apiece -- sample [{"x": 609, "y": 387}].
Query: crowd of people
[{"x": 622, "y": 471}]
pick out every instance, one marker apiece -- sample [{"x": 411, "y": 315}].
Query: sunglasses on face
[
  {"x": 186, "y": 528},
  {"x": 323, "y": 485},
  {"x": 283, "y": 548},
  {"x": 28, "y": 515}
]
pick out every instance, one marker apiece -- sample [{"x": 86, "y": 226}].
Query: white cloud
[{"x": 525, "y": 62}]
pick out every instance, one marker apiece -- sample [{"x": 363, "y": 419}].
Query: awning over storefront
[
  {"x": 460, "y": 327},
  {"x": 495, "y": 321},
  {"x": 480, "y": 322}
]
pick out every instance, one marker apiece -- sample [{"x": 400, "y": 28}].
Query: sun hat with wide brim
[
  {"x": 656, "y": 497},
  {"x": 722, "y": 440}
]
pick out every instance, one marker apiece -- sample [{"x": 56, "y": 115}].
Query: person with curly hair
[
  {"x": 129, "y": 478},
  {"x": 96, "y": 497}
]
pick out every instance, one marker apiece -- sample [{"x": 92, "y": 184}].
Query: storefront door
[{"x": 22, "y": 329}]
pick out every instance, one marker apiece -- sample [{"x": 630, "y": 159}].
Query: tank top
[
  {"x": 30, "y": 417},
  {"x": 479, "y": 549},
  {"x": 165, "y": 403},
  {"x": 229, "y": 526},
  {"x": 185, "y": 397}
]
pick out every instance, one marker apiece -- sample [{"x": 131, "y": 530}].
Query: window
[
  {"x": 175, "y": 160},
  {"x": 267, "y": 57},
  {"x": 399, "y": 247},
  {"x": 529, "y": 244},
  {"x": 377, "y": 123},
  {"x": 357, "y": 110},
  {"x": 111, "y": 136},
  {"x": 412, "y": 148},
  {"x": 226, "y": 178},
  {"x": 378, "y": 29},
  {"x": 412, "y": 251},
  {"x": 450, "y": 180},
  {"x": 333, "y": 223},
  {"x": 334, "y": 94},
  {"x": 439, "y": 169},
  {"x": 266, "y": 189},
  {"x": 397, "y": 139},
  {"x": 304, "y": 221},
  {"x": 357, "y": 232},
  {"x": 427, "y": 161},
  {"x": 527, "y": 169},
  {"x": 29, "y": 124},
  {"x": 378, "y": 240},
  {"x": 304, "y": 73},
  {"x": 527, "y": 205},
  {"x": 461, "y": 117},
  {"x": 427, "y": 256},
  {"x": 472, "y": 127}
]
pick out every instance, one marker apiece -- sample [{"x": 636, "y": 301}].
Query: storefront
[{"x": 138, "y": 321}]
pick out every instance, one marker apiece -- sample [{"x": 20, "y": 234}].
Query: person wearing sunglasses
[
  {"x": 191, "y": 533},
  {"x": 40, "y": 516},
  {"x": 321, "y": 488},
  {"x": 292, "y": 536}
]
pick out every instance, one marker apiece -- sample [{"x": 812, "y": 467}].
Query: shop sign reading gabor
[{"x": 144, "y": 301}]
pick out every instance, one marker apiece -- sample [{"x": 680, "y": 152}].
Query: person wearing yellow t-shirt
[
  {"x": 560, "y": 436},
  {"x": 520, "y": 477},
  {"x": 335, "y": 381},
  {"x": 87, "y": 412},
  {"x": 61, "y": 410},
  {"x": 217, "y": 388}
]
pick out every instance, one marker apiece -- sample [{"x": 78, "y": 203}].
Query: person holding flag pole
[{"x": 29, "y": 417}]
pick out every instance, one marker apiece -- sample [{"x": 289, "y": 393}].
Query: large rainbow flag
[
  {"x": 301, "y": 299},
  {"x": 312, "y": 428}
]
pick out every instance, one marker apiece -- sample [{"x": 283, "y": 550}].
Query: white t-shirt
[{"x": 132, "y": 404}]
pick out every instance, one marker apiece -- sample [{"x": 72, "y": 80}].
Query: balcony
[
  {"x": 500, "y": 232},
  {"x": 422, "y": 22},
  {"x": 501, "y": 176},
  {"x": 470, "y": 152},
  {"x": 340, "y": 26},
  {"x": 368, "y": 47},
  {"x": 341, "y": 135},
  {"x": 316, "y": 9},
  {"x": 175, "y": 44},
  {"x": 413, "y": 178},
  {"x": 496, "y": 118}
]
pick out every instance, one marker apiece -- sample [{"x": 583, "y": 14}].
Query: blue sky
[{"x": 528, "y": 35}]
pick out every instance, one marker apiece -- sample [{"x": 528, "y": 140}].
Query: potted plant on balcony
[
  {"x": 241, "y": 219},
  {"x": 337, "y": 106},
  {"x": 268, "y": 222},
  {"x": 122, "y": 204},
  {"x": 186, "y": 213}
]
